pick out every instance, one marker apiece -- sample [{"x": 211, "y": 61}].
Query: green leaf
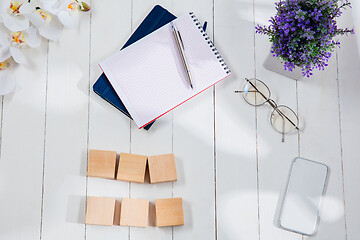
[{"x": 84, "y": 7}]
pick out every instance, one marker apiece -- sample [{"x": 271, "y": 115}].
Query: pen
[{"x": 180, "y": 47}]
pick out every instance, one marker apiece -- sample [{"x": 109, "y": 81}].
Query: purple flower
[{"x": 302, "y": 32}]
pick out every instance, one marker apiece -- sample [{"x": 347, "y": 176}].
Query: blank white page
[{"x": 149, "y": 76}]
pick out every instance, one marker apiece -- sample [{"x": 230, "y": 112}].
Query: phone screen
[{"x": 303, "y": 196}]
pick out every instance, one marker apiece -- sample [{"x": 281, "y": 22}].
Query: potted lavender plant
[{"x": 302, "y": 33}]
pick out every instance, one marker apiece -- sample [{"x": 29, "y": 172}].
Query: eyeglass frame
[{"x": 272, "y": 103}]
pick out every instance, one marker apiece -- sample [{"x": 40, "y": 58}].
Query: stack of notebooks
[{"x": 146, "y": 79}]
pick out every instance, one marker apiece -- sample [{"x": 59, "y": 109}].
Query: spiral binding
[{"x": 211, "y": 44}]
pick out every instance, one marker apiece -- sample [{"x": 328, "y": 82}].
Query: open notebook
[{"x": 149, "y": 77}]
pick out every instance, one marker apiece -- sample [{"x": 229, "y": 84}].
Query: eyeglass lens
[
  {"x": 280, "y": 123},
  {"x": 253, "y": 96}
]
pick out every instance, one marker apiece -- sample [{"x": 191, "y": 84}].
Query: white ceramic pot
[{"x": 274, "y": 64}]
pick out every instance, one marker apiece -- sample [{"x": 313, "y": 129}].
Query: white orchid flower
[
  {"x": 52, "y": 6},
  {"x": 51, "y": 15},
  {"x": 13, "y": 14},
  {"x": 69, "y": 16},
  {"x": 27, "y": 22},
  {"x": 48, "y": 24},
  {"x": 12, "y": 47},
  {"x": 7, "y": 80},
  {"x": 67, "y": 11}
]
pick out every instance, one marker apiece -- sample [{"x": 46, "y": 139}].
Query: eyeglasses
[{"x": 283, "y": 119}]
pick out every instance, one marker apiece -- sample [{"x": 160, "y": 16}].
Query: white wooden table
[{"x": 232, "y": 166}]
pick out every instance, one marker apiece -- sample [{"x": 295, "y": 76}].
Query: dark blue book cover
[{"x": 157, "y": 18}]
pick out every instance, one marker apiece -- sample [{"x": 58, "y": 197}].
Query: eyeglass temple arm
[
  {"x": 243, "y": 91},
  {"x": 272, "y": 104}
]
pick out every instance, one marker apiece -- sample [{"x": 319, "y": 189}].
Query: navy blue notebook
[{"x": 157, "y": 18}]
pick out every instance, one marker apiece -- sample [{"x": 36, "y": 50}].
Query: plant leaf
[{"x": 84, "y": 7}]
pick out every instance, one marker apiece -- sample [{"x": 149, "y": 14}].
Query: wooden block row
[
  {"x": 134, "y": 212},
  {"x": 131, "y": 167}
]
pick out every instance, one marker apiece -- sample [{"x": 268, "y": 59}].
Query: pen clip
[
  {"x": 173, "y": 27},
  {"x": 181, "y": 39}
]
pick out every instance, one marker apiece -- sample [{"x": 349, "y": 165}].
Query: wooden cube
[
  {"x": 101, "y": 164},
  {"x": 134, "y": 212},
  {"x": 131, "y": 168},
  {"x": 162, "y": 168},
  {"x": 169, "y": 212},
  {"x": 100, "y": 211}
]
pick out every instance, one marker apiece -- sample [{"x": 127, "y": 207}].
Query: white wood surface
[
  {"x": 232, "y": 166},
  {"x": 274, "y": 156},
  {"x": 236, "y": 151},
  {"x": 348, "y": 80},
  {"x": 107, "y": 129}
]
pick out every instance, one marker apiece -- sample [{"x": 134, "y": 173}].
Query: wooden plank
[
  {"x": 349, "y": 85},
  {"x": 22, "y": 149},
  {"x": 274, "y": 156},
  {"x": 158, "y": 140},
  {"x": 66, "y": 134},
  {"x": 193, "y": 134},
  {"x": 320, "y": 141},
  {"x": 109, "y": 129},
  {"x": 236, "y": 178}
]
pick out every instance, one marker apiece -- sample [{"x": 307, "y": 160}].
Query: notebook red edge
[
  {"x": 184, "y": 101},
  {"x": 179, "y": 103}
]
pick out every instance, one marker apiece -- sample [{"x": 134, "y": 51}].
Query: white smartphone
[{"x": 303, "y": 196}]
